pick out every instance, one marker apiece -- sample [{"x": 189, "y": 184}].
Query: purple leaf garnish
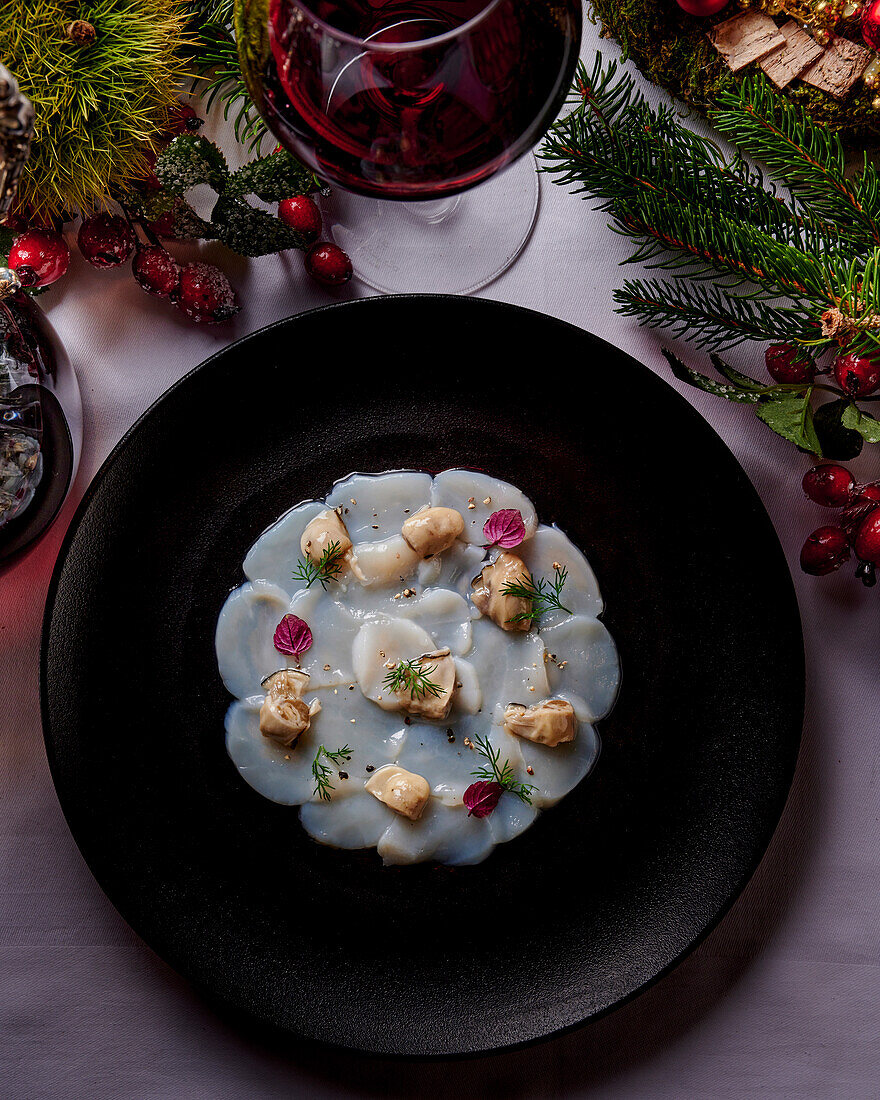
[
  {"x": 481, "y": 798},
  {"x": 292, "y": 636},
  {"x": 505, "y": 528}
]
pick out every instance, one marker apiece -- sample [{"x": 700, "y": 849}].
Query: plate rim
[{"x": 270, "y": 1032}]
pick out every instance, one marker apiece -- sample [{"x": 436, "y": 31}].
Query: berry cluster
[
  {"x": 857, "y": 375},
  {"x": 857, "y": 530},
  {"x": 39, "y": 254}
]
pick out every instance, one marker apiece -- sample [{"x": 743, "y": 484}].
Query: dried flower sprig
[
  {"x": 326, "y": 569},
  {"x": 322, "y": 772},
  {"x": 411, "y": 676},
  {"x": 496, "y": 772},
  {"x": 545, "y": 596}
]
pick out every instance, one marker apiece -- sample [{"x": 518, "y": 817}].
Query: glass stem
[{"x": 435, "y": 211}]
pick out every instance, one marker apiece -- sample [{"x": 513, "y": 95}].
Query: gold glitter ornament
[{"x": 875, "y": 102}]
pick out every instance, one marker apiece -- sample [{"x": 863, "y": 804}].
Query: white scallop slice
[
  {"x": 274, "y": 555},
  {"x": 444, "y": 614},
  {"x": 282, "y": 775},
  {"x": 510, "y": 817},
  {"x": 581, "y": 592},
  {"x": 455, "y": 488},
  {"x": 333, "y": 631},
  {"x": 591, "y": 669},
  {"x": 386, "y": 563},
  {"x": 383, "y": 642},
  {"x": 383, "y": 502},
  {"x": 243, "y": 640},
  {"x": 356, "y": 820},
  {"x": 509, "y": 665},
  {"x": 374, "y": 736},
  {"x": 558, "y": 770},
  {"x": 468, "y": 698},
  {"x": 454, "y": 568},
  {"x": 443, "y": 833}
]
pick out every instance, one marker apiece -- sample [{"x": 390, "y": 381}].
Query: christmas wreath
[{"x": 821, "y": 54}]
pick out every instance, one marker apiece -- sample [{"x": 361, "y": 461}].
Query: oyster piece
[
  {"x": 321, "y": 533},
  {"x": 432, "y": 530},
  {"x": 488, "y": 594},
  {"x": 438, "y": 670},
  {"x": 404, "y": 792},
  {"x": 284, "y": 715},
  {"x": 551, "y": 723}
]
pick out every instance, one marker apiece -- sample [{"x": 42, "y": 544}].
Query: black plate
[{"x": 610, "y": 888}]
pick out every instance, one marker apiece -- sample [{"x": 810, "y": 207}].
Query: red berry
[
  {"x": 824, "y": 551},
  {"x": 302, "y": 214},
  {"x": 857, "y": 375},
  {"x": 867, "y": 542},
  {"x": 39, "y": 257},
  {"x": 328, "y": 264},
  {"x": 702, "y": 8},
  {"x": 870, "y": 492},
  {"x": 106, "y": 240},
  {"x": 829, "y": 484},
  {"x": 789, "y": 363},
  {"x": 156, "y": 270},
  {"x": 183, "y": 119},
  {"x": 205, "y": 294}
]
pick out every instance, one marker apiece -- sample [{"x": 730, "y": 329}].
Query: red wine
[{"x": 416, "y": 98}]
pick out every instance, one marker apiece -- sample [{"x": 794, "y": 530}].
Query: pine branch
[
  {"x": 219, "y": 71},
  {"x": 809, "y": 158},
  {"x": 709, "y": 316}
]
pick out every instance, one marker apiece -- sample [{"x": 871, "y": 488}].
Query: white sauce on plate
[{"x": 392, "y": 605}]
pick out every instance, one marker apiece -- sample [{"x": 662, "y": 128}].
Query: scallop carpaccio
[{"x": 436, "y": 662}]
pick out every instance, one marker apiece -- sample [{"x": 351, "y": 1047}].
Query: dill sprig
[
  {"x": 412, "y": 677},
  {"x": 543, "y": 594},
  {"x": 325, "y": 569},
  {"x": 499, "y": 773},
  {"x": 322, "y": 772}
]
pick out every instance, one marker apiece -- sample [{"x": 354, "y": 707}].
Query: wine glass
[{"x": 416, "y": 100}]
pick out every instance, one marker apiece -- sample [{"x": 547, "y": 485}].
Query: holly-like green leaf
[
  {"x": 251, "y": 232},
  {"x": 693, "y": 378},
  {"x": 741, "y": 381},
  {"x": 188, "y": 161},
  {"x": 189, "y": 226},
  {"x": 858, "y": 421},
  {"x": 791, "y": 416},
  {"x": 838, "y": 441},
  {"x": 272, "y": 178}
]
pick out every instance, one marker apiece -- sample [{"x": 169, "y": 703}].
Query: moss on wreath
[{"x": 671, "y": 48}]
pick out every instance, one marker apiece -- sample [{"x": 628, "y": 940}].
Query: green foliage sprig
[
  {"x": 413, "y": 677},
  {"x": 544, "y": 595},
  {"x": 747, "y": 260},
  {"x": 216, "y": 59},
  {"x": 496, "y": 772},
  {"x": 191, "y": 160},
  {"x": 321, "y": 772},
  {"x": 324, "y": 570}
]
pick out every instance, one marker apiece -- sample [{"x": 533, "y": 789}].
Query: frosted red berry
[
  {"x": 328, "y": 264},
  {"x": 205, "y": 294},
  {"x": 302, "y": 214},
  {"x": 156, "y": 270},
  {"x": 39, "y": 257},
  {"x": 106, "y": 240},
  {"x": 824, "y": 551},
  {"x": 857, "y": 375},
  {"x": 867, "y": 541},
  {"x": 787, "y": 363},
  {"x": 829, "y": 484}
]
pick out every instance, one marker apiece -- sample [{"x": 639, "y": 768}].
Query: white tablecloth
[{"x": 782, "y": 1000}]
